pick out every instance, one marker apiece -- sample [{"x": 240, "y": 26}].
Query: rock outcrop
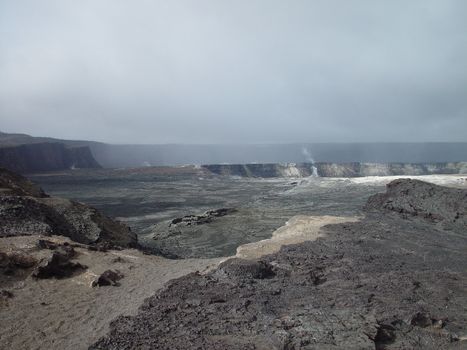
[
  {"x": 414, "y": 198},
  {"x": 47, "y": 156},
  {"x": 58, "y": 265},
  {"x": 25, "y": 210},
  {"x": 17, "y": 185},
  {"x": 205, "y": 218},
  {"x": 389, "y": 281},
  {"x": 108, "y": 278},
  {"x": 188, "y": 236}
]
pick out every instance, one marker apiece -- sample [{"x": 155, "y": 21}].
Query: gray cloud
[{"x": 209, "y": 71}]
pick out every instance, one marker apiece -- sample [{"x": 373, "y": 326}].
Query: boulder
[
  {"x": 58, "y": 265},
  {"x": 108, "y": 278}
]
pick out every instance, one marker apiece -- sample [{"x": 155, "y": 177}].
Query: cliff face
[
  {"x": 29, "y": 158},
  {"x": 335, "y": 169},
  {"x": 262, "y": 170}
]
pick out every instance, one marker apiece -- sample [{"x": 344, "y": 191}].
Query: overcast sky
[{"x": 243, "y": 71}]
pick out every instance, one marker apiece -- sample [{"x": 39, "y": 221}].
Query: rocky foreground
[
  {"x": 396, "y": 279},
  {"x": 66, "y": 270},
  {"x": 26, "y": 210}
]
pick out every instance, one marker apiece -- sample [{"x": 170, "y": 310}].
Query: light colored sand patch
[
  {"x": 68, "y": 313},
  {"x": 298, "y": 229}
]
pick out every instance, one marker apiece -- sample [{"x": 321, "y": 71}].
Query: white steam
[
  {"x": 309, "y": 158},
  {"x": 307, "y": 154}
]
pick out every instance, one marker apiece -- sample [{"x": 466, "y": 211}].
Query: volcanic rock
[
  {"x": 384, "y": 282},
  {"x": 57, "y": 265},
  {"x": 15, "y": 259},
  {"x": 6, "y": 294},
  {"x": 244, "y": 269},
  {"x": 204, "y": 218},
  {"x": 14, "y": 184},
  {"x": 108, "y": 278},
  {"x": 415, "y": 198},
  {"x": 29, "y": 212}
]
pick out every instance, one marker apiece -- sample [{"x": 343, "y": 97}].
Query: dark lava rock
[
  {"x": 58, "y": 265},
  {"x": 244, "y": 269},
  {"x": 384, "y": 336},
  {"x": 45, "y": 244},
  {"x": 14, "y": 184},
  {"x": 216, "y": 233},
  {"x": 89, "y": 226},
  {"x": 384, "y": 282},
  {"x": 421, "y": 319},
  {"x": 28, "y": 215},
  {"x": 204, "y": 218},
  {"x": 17, "y": 260},
  {"x": 15, "y": 266},
  {"x": 447, "y": 206},
  {"x": 30, "y": 212},
  {"x": 63, "y": 249},
  {"x": 6, "y": 294},
  {"x": 108, "y": 278},
  {"x": 119, "y": 259}
]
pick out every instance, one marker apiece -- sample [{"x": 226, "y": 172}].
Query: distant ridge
[
  {"x": 26, "y": 154},
  {"x": 121, "y": 156},
  {"x": 47, "y": 156}
]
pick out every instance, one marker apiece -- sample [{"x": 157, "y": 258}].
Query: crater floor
[{"x": 149, "y": 202}]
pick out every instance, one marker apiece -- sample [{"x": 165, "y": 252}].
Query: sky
[{"x": 243, "y": 71}]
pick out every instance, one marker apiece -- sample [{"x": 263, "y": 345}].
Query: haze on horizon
[{"x": 209, "y": 71}]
